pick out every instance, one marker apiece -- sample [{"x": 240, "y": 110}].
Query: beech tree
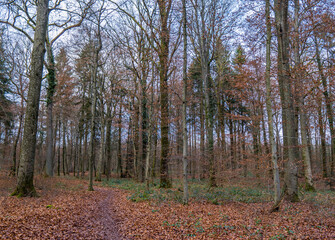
[
  {"x": 25, "y": 185},
  {"x": 273, "y": 145},
  {"x": 285, "y": 84}
]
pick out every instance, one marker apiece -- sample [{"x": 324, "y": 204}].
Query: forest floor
[{"x": 123, "y": 209}]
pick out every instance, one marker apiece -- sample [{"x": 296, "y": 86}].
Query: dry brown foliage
[{"x": 66, "y": 210}]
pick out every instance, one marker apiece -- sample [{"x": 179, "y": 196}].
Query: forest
[{"x": 167, "y": 119}]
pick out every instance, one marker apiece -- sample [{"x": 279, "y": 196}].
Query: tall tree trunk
[
  {"x": 145, "y": 143},
  {"x": 64, "y": 149},
  {"x": 94, "y": 76},
  {"x": 154, "y": 160},
  {"x": 108, "y": 142},
  {"x": 119, "y": 147},
  {"x": 305, "y": 151},
  {"x": 17, "y": 138},
  {"x": 84, "y": 164},
  {"x": 164, "y": 35},
  {"x": 209, "y": 101},
  {"x": 77, "y": 155},
  {"x": 58, "y": 152},
  {"x": 50, "y": 92},
  {"x": 136, "y": 139},
  {"x": 289, "y": 118},
  {"x": 147, "y": 156},
  {"x": 303, "y": 119},
  {"x": 185, "y": 161},
  {"x": 202, "y": 134},
  {"x": 231, "y": 136},
  {"x": 329, "y": 108},
  {"x": 25, "y": 185},
  {"x": 102, "y": 152},
  {"x": 274, "y": 158},
  {"x": 323, "y": 141}
]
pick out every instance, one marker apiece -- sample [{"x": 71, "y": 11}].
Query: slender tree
[
  {"x": 184, "y": 111},
  {"x": 276, "y": 179}
]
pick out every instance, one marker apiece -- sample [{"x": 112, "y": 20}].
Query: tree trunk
[
  {"x": 135, "y": 139},
  {"x": 329, "y": 108},
  {"x": 50, "y": 92},
  {"x": 289, "y": 118},
  {"x": 102, "y": 152},
  {"x": 25, "y": 185},
  {"x": 323, "y": 141},
  {"x": 274, "y": 158},
  {"x": 303, "y": 119},
  {"x": 108, "y": 143},
  {"x": 64, "y": 149},
  {"x": 93, "y": 107},
  {"x": 164, "y": 35},
  {"x": 209, "y": 101},
  {"x": 147, "y": 157},
  {"x": 202, "y": 135},
  {"x": 17, "y": 138},
  {"x": 185, "y": 161},
  {"x": 119, "y": 149},
  {"x": 58, "y": 153}
]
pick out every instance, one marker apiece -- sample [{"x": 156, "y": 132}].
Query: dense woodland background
[{"x": 146, "y": 88}]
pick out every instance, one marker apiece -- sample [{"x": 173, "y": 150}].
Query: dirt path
[
  {"x": 64, "y": 210},
  {"x": 105, "y": 214}
]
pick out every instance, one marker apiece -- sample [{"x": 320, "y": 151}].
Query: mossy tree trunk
[
  {"x": 51, "y": 77},
  {"x": 164, "y": 35}
]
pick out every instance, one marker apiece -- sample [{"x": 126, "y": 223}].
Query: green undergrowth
[
  {"x": 198, "y": 191},
  {"x": 323, "y": 200}
]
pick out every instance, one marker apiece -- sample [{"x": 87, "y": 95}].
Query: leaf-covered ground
[
  {"x": 66, "y": 210},
  {"x": 157, "y": 214}
]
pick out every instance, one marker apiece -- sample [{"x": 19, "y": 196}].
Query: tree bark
[
  {"x": 184, "y": 125},
  {"x": 289, "y": 118},
  {"x": 25, "y": 185},
  {"x": 329, "y": 108},
  {"x": 64, "y": 158},
  {"x": 17, "y": 138},
  {"x": 119, "y": 149},
  {"x": 102, "y": 152},
  {"x": 95, "y": 66},
  {"x": 276, "y": 179},
  {"x": 209, "y": 101},
  {"x": 50, "y": 92},
  {"x": 164, "y": 35},
  {"x": 323, "y": 150},
  {"x": 303, "y": 119},
  {"x": 108, "y": 143},
  {"x": 58, "y": 150}
]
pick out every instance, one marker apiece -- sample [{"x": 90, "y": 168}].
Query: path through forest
[
  {"x": 64, "y": 210},
  {"x": 104, "y": 214}
]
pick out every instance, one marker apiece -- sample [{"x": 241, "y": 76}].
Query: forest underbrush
[{"x": 238, "y": 209}]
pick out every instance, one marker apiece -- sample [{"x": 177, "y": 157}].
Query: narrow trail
[{"x": 104, "y": 213}]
